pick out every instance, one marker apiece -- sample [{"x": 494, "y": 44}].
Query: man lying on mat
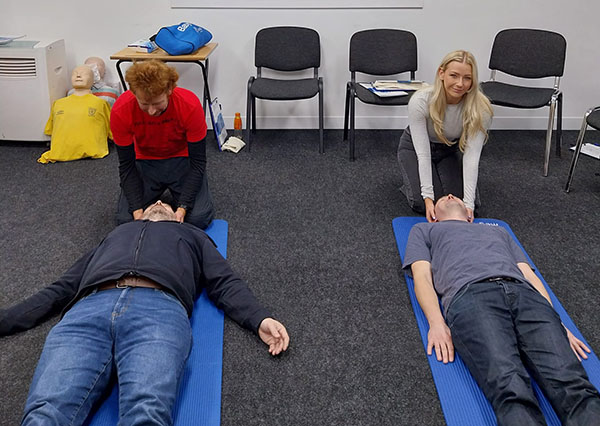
[
  {"x": 126, "y": 305},
  {"x": 500, "y": 318}
]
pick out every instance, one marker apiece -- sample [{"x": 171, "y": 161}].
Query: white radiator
[{"x": 33, "y": 74}]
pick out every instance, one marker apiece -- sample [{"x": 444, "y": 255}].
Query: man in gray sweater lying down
[{"x": 499, "y": 317}]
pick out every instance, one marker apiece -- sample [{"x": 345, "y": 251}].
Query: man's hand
[
  {"x": 577, "y": 345},
  {"x": 180, "y": 214},
  {"x": 470, "y": 215},
  {"x": 430, "y": 210},
  {"x": 137, "y": 214},
  {"x": 440, "y": 338},
  {"x": 274, "y": 334}
]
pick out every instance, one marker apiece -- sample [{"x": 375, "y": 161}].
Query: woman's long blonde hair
[{"x": 475, "y": 103}]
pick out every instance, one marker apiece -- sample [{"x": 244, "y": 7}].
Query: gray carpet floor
[{"x": 312, "y": 235}]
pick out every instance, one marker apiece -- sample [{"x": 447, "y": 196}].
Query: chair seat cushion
[
  {"x": 508, "y": 95},
  {"x": 284, "y": 90},
  {"x": 369, "y": 97},
  {"x": 594, "y": 119}
]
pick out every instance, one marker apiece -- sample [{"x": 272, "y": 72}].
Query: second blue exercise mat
[
  {"x": 462, "y": 401},
  {"x": 199, "y": 399}
]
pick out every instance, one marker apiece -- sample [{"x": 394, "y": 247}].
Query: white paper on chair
[
  {"x": 590, "y": 149},
  {"x": 407, "y": 85},
  {"x": 383, "y": 93}
]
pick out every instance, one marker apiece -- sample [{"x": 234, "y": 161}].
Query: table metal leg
[
  {"x": 121, "y": 74},
  {"x": 206, "y": 97}
]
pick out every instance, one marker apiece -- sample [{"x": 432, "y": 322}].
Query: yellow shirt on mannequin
[{"x": 80, "y": 128}]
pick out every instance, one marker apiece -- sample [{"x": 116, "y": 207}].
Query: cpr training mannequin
[
  {"x": 79, "y": 124},
  {"x": 104, "y": 90}
]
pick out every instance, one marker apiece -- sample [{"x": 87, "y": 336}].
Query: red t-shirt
[{"x": 165, "y": 136}]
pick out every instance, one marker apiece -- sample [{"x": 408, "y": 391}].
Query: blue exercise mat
[
  {"x": 462, "y": 401},
  {"x": 199, "y": 399}
]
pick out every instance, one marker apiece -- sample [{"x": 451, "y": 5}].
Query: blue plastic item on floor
[
  {"x": 461, "y": 399},
  {"x": 199, "y": 398}
]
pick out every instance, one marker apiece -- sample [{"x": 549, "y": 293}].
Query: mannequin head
[
  {"x": 98, "y": 67},
  {"x": 82, "y": 79}
]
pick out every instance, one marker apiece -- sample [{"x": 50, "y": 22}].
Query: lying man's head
[
  {"x": 159, "y": 211},
  {"x": 450, "y": 207}
]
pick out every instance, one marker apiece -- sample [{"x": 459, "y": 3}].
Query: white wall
[{"x": 102, "y": 28}]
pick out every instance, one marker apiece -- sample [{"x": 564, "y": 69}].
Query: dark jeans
[
  {"x": 160, "y": 175},
  {"x": 500, "y": 329},
  {"x": 446, "y": 170}
]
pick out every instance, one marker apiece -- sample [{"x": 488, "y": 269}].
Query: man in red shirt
[{"x": 159, "y": 132}]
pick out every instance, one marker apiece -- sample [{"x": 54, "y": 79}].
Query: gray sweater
[
  {"x": 423, "y": 133},
  {"x": 462, "y": 253}
]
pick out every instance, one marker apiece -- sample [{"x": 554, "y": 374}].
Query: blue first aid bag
[{"x": 182, "y": 39}]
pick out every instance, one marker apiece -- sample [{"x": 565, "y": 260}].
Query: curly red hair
[{"x": 149, "y": 79}]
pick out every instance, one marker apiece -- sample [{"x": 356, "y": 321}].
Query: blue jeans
[
  {"x": 143, "y": 334},
  {"x": 502, "y": 329},
  {"x": 171, "y": 173}
]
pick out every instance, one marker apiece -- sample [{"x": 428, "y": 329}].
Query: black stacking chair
[
  {"x": 377, "y": 52},
  {"x": 529, "y": 53},
  {"x": 592, "y": 119},
  {"x": 285, "y": 49}
]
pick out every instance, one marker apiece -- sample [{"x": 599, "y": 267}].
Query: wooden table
[{"x": 199, "y": 57}]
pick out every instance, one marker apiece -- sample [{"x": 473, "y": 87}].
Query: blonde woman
[{"x": 447, "y": 126}]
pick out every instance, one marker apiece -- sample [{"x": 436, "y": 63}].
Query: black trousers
[
  {"x": 506, "y": 331},
  {"x": 446, "y": 171},
  {"x": 160, "y": 175}
]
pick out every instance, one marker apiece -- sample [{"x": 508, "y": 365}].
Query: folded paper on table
[
  {"x": 143, "y": 45},
  {"x": 8, "y": 39}
]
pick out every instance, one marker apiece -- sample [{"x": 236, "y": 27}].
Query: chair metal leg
[
  {"x": 321, "y": 145},
  {"x": 578, "y": 146},
  {"x": 559, "y": 125},
  {"x": 346, "y": 111},
  {"x": 248, "y": 121},
  {"x": 253, "y": 115},
  {"x": 549, "y": 134},
  {"x": 352, "y": 124},
  {"x": 248, "y": 112}
]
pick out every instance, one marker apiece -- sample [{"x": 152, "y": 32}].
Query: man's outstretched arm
[
  {"x": 439, "y": 336},
  {"x": 46, "y": 302},
  {"x": 580, "y": 348},
  {"x": 231, "y": 294}
]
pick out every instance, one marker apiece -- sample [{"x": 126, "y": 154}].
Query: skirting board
[{"x": 393, "y": 122}]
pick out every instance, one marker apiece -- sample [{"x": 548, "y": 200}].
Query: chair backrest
[
  {"x": 383, "y": 52},
  {"x": 529, "y": 53},
  {"x": 287, "y": 48}
]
